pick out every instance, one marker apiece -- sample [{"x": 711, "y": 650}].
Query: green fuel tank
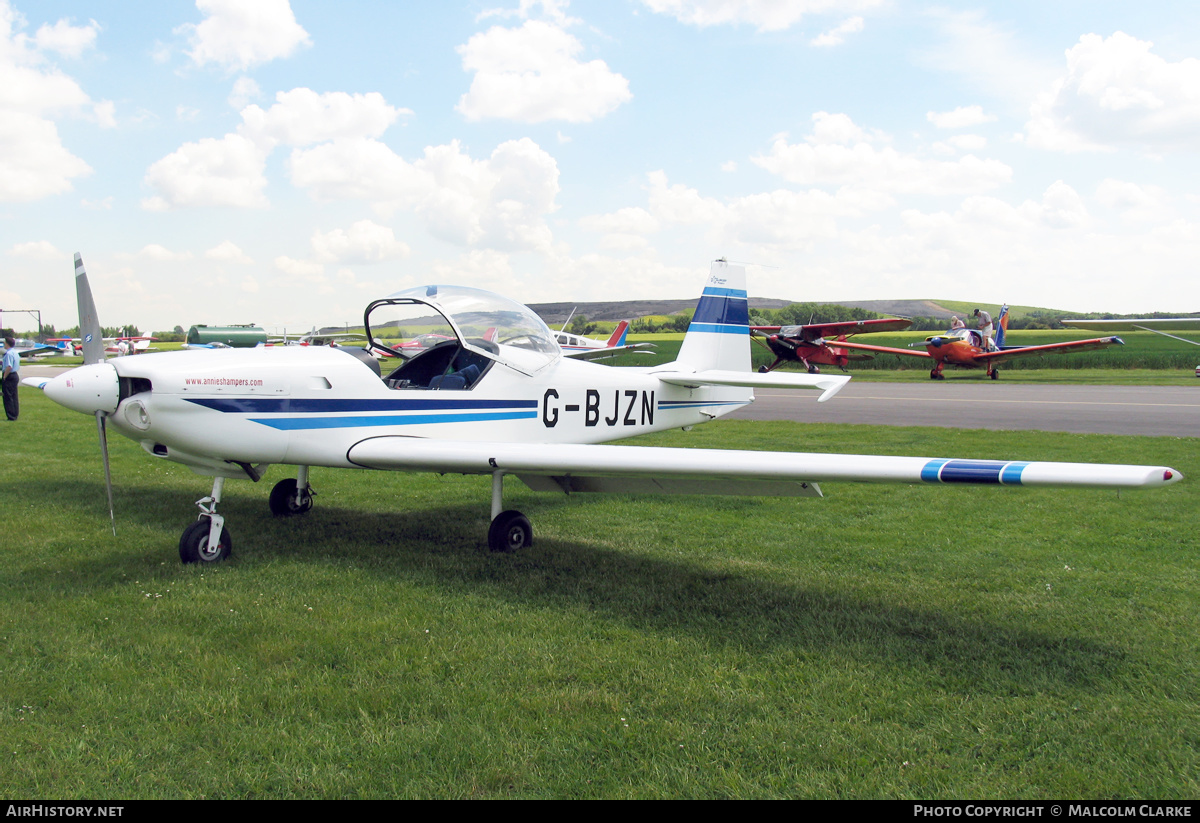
[{"x": 237, "y": 337}]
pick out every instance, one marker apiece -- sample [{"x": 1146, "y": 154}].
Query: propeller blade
[
  {"x": 89, "y": 322},
  {"x": 103, "y": 430}
]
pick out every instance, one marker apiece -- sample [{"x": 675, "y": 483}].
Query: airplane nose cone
[{"x": 87, "y": 389}]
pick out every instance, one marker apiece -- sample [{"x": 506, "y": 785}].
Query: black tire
[
  {"x": 933, "y": 374},
  {"x": 995, "y": 374},
  {"x": 814, "y": 369},
  {"x": 193, "y": 545},
  {"x": 510, "y": 531},
  {"x": 283, "y": 499}
]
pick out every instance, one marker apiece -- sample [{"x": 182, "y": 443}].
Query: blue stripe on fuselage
[
  {"x": 308, "y": 405},
  {"x": 293, "y": 423}
]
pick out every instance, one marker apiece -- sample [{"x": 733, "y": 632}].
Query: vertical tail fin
[
  {"x": 719, "y": 335},
  {"x": 618, "y": 336},
  {"x": 89, "y": 322},
  {"x": 1002, "y": 326}
]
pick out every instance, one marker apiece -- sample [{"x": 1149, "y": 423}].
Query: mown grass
[{"x": 889, "y": 641}]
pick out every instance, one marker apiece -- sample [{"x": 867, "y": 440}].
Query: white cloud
[
  {"x": 364, "y": 242},
  {"x": 837, "y": 35},
  {"x": 766, "y": 15},
  {"x": 961, "y": 118},
  {"x": 37, "y": 250},
  {"x": 306, "y": 269},
  {"x": 301, "y": 117},
  {"x": 501, "y": 201},
  {"x": 1136, "y": 203},
  {"x": 357, "y": 169},
  {"x": 531, "y": 74},
  {"x": 33, "y": 161},
  {"x": 781, "y": 218},
  {"x": 231, "y": 171},
  {"x": 67, "y": 40},
  {"x": 963, "y": 142},
  {"x": 556, "y": 10},
  {"x": 989, "y": 56},
  {"x": 838, "y": 152},
  {"x": 228, "y": 252},
  {"x": 237, "y": 35},
  {"x": 225, "y": 172},
  {"x": 625, "y": 228},
  {"x": 244, "y": 90},
  {"x": 1117, "y": 93},
  {"x": 632, "y": 220},
  {"x": 162, "y": 254}
]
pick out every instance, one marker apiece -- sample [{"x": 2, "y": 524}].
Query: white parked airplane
[
  {"x": 496, "y": 398},
  {"x": 585, "y": 348}
]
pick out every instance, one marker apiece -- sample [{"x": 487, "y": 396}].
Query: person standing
[
  {"x": 985, "y": 327},
  {"x": 12, "y": 379}
]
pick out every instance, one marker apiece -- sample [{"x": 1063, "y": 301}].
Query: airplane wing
[
  {"x": 830, "y": 384},
  {"x": 597, "y": 354},
  {"x": 813, "y": 331},
  {"x": 1155, "y": 324},
  {"x": 882, "y": 349},
  {"x": 635, "y": 469},
  {"x": 1073, "y": 345},
  {"x": 39, "y": 350},
  {"x": 1159, "y": 325}
]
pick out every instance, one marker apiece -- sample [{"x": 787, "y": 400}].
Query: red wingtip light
[{"x": 1167, "y": 474}]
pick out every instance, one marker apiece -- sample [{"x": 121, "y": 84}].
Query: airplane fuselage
[{"x": 220, "y": 410}]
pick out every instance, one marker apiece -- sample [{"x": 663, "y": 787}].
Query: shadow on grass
[{"x": 726, "y": 609}]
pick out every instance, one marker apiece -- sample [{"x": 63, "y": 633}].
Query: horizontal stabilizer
[{"x": 830, "y": 384}]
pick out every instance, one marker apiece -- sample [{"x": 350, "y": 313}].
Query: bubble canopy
[{"x": 487, "y": 323}]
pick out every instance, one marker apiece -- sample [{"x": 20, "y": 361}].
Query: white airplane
[
  {"x": 585, "y": 348},
  {"x": 497, "y": 398}
]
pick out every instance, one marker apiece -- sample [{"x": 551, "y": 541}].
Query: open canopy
[{"x": 484, "y": 322}]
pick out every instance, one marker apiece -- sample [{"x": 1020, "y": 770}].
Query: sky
[{"x": 284, "y": 163}]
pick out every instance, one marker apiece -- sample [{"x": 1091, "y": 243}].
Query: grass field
[{"x": 888, "y": 641}]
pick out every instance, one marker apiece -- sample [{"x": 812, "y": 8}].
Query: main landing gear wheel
[
  {"x": 814, "y": 369},
  {"x": 283, "y": 500},
  {"x": 936, "y": 375},
  {"x": 995, "y": 374},
  {"x": 510, "y": 531},
  {"x": 194, "y": 548}
]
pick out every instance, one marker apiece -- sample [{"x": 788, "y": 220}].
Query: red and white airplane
[
  {"x": 818, "y": 344},
  {"x": 508, "y": 405},
  {"x": 585, "y": 348},
  {"x": 967, "y": 349}
]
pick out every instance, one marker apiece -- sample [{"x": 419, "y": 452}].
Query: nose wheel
[
  {"x": 197, "y": 546},
  {"x": 207, "y": 540}
]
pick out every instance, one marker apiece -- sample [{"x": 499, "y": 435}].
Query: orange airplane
[
  {"x": 812, "y": 346},
  {"x": 967, "y": 348}
]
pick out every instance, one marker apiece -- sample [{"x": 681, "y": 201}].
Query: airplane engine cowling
[{"x": 87, "y": 389}]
